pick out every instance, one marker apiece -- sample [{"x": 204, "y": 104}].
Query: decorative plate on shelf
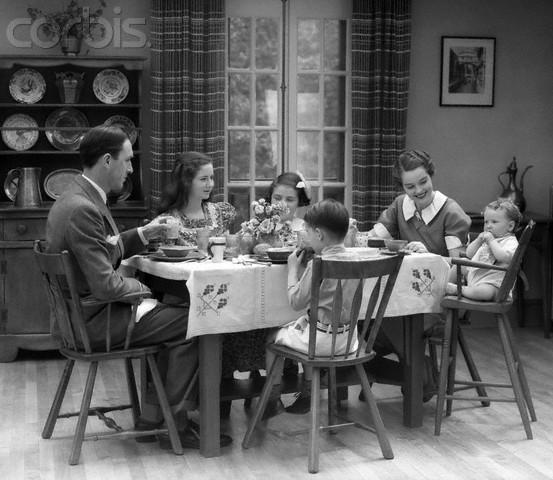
[
  {"x": 110, "y": 86},
  {"x": 11, "y": 182},
  {"x": 27, "y": 85},
  {"x": 23, "y": 136},
  {"x": 125, "y": 124},
  {"x": 66, "y": 118},
  {"x": 57, "y": 181}
]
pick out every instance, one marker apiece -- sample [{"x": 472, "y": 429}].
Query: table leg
[
  {"x": 210, "y": 381},
  {"x": 413, "y": 327}
]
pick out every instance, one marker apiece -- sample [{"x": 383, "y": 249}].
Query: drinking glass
[
  {"x": 202, "y": 239},
  {"x": 216, "y": 248},
  {"x": 233, "y": 245}
]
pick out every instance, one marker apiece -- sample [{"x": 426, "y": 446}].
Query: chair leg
[
  {"x": 511, "y": 366},
  {"x": 263, "y": 399},
  {"x": 58, "y": 399},
  {"x": 375, "y": 414},
  {"x": 471, "y": 365},
  {"x": 313, "y": 458},
  {"x": 452, "y": 360},
  {"x": 83, "y": 414},
  {"x": 332, "y": 398},
  {"x": 131, "y": 386},
  {"x": 444, "y": 369},
  {"x": 521, "y": 374},
  {"x": 165, "y": 408}
]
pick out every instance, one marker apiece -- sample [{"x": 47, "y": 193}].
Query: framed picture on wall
[{"x": 467, "y": 73}]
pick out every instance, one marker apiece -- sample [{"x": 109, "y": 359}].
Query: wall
[
  {"x": 116, "y": 11},
  {"x": 472, "y": 145}
]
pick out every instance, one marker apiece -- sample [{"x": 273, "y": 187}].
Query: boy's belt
[{"x": 327, "y": 328}]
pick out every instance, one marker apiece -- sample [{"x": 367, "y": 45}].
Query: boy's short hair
[
  {"x": 329, "y": 214},
  {"x": 512, "y": 212}
]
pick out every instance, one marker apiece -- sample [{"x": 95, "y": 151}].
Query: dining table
[{"x": 246, "y": 294}]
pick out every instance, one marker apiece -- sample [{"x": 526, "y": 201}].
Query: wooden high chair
[{"x": 499, "y": 308}]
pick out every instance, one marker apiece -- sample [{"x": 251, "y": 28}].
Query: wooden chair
[
  {"x": 384, "y": 272},
  {"x": 499, "y": 307},
  {"x": 66, "y": 307}
]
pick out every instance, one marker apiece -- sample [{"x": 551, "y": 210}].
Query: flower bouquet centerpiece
[{"x": 267, "y": 227}]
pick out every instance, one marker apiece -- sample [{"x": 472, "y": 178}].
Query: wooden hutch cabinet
[{"x": 24, "y": 312}]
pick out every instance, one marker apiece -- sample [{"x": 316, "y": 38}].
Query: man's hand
[{"x": 154, "y": 230}]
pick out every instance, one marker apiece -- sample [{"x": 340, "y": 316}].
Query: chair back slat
[
  {"x": 512, "y": 272},
  {"x": 350, "y": 280},
  {"x": 63, "y": 298}
]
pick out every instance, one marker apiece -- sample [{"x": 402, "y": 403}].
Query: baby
[{"x": 496, "y": 246}]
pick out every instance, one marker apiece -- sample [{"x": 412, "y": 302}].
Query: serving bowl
[
  {"x": 279, "y": 254},
  {"x": 176, "y": 250},
  {"x": 395, "y": 245}
]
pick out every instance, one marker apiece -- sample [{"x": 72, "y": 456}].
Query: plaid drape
[
  {"x": 381, "y": 35},
  {"x": 188, "y": 86}
]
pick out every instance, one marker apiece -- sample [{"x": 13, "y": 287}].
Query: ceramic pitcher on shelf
[
  {"x": 512, "y": 191},
  {"x": 28, "y": 187}
]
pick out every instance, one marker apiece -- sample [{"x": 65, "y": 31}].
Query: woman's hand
[{"x": 416, "y": 247}]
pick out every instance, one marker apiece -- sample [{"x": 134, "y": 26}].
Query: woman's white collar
[{"x": 428, "y": 213}]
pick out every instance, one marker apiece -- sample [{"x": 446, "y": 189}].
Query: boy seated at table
[
  {"x": 326, "y": 226},
  {"x": 495, "y": 245}
]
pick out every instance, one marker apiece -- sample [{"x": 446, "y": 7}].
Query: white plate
[
  {"x": 20, "y": 139},
  {"x": 125, "y": 124},
  {"x": 66, "y": 118},
  {"x": 364, "y": 251},
  {"x": 57, "y": 181},
  {"x": 110, "y": 86},
  {"x": 27, "y": 86}
]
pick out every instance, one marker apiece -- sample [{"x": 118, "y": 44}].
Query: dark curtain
[
  {"x": 381, "y": 35},
  {"x": 188, "y": 86}
]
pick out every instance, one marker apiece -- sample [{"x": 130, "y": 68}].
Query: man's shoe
[
  {"x": 190, "y": 438},
  {"x": 143, "y": 426},
  {"x": 273, "y": 408},
  {"x": 301, "y": 405}
]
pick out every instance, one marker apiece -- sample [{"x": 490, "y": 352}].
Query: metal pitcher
[{"x": 28, "y": 186}]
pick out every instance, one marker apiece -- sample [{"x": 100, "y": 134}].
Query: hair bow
[{"x": 303, "y": 184}]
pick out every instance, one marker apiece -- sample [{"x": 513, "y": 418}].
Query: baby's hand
[{"x": 486, "y": 236}]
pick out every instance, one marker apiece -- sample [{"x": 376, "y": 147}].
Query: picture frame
[{"x": 467, "y": 72}]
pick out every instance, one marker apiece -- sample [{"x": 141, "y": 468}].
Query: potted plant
[{"x": 70, "y": 25}]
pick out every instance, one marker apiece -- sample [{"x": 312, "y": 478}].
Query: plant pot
[{"x": 70, "y": 45}]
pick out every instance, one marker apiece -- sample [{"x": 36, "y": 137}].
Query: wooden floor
[{"x": 476, "y": 442}]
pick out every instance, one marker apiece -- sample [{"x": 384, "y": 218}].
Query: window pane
[
  {"x": 308, "y": 101},
  {"x": 309, "y": 44},
  {"x": 239, "y": 155},
  {"x": 239, "y": 99},
  {"x": 307, "y": 153},
  {"x": 335, "y": 101},
  {"x": 261, "y": 192},
  {"x": 239, "y": 198},
  {"x": 266, "y": 154},
  {"x": 266, "y": 100},
  {"x": 239, "y": 32},
  {"x": 337, "y": 193},
  {"x": 333, "y": 156},
  {"x": 335, "y": 44},
  {"x": 266, "y": 43}
]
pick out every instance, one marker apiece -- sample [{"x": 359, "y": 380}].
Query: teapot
[
  {"x": 512, "y": 191},
  {"x": 28, "y": 188}
]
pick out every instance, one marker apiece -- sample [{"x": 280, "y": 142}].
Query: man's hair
[
  {"x": 101, "y": 140},
  {"x": 512, "y": 212},
  {"x": 329, "y": 214},
  {"x": 410, "y": 160}
]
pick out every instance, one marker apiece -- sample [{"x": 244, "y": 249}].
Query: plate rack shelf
[{"x": 24, "y": 315}]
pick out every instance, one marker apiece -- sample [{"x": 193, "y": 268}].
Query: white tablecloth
[{"x": 227, "y": 297}]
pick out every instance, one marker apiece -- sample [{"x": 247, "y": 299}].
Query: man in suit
[{"x": 80, "y": 222}]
